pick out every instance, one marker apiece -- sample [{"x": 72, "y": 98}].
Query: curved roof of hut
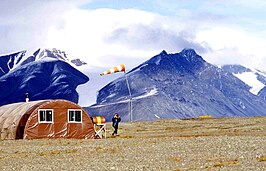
[
  {"x": 11, "y": 114},
  {"x": 13, "y": 117}
]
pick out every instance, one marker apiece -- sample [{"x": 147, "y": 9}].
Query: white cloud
[
  {"x": 24, "y": 24},
  {"x": 220, "y": 32},
  {"x": 98, "y": 35},
  {"x": 85, "y": 31},
  {"x": 233, "y": 46}
]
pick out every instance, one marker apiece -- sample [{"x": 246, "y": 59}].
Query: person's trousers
[{"x": 116, "y": 128}]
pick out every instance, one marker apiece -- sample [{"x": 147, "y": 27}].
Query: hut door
[
  {"x": 21, "y": 127},
  {"x": 20, "y": 132}
]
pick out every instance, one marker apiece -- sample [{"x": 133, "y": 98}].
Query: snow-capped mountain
[
  {"x": 45, "y": 74},
  {"x": 8, "y": 62},
  {"x": 252, "y": 77},
  {"x": 181, "y": 85},
  {"x": 256, "y": 79}
]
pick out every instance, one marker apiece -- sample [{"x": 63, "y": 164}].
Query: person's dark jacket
[{"x": 116, "y": 121}]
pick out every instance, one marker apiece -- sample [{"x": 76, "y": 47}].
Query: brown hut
[{"x": 45, "y": 119}]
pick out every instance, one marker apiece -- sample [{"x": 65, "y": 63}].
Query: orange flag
[{"x": 118, "y": 68}]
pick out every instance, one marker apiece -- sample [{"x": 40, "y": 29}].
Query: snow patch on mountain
[
  {"x": 109, "y": 104},
  {"x": 152, "y": 92},
  {"x": 157, "y": 116},
  {"x": 250, "y": 78},
  {"x": 157, "y": 62},
  {"x": 11, "y": 61}
]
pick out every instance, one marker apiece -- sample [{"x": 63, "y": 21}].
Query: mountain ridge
[
  {"x": 180, "y": 85},
  {"x": 46, "y": 74}
]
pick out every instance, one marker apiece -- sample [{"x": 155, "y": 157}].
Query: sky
[{"x": 105, "y": 33}]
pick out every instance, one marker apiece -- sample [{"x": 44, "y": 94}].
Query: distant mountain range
[
  {"x": 183, "y": 85},
  {"x": 180, "y": 85},
  {"x": 45, "y": 74}
]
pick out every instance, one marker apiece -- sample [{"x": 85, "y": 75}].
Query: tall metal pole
[{"x": 130, "y": 99}]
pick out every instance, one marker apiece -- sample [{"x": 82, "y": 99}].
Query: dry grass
[
  {"x": 196, "y": 127},
  {"x": 191, "y": 144},
  {"x": 224, "y": 163},
  {"x": 175, "y": 159}
]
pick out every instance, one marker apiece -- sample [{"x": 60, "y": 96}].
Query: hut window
[
  {"x": 45, "y": 115},
  {"x": 74, "y": 115}
]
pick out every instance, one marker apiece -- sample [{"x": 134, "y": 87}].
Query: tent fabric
[
  {"x": 10, "y": 116},
  {"x": 20, "y": 120}
]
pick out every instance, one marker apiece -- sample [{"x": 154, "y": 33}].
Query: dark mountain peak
[
  {"x": 157, "y": 58},
  {"x": 186, "y": 61},
  {"x": 78, "y": 62},
  {"x": 191, "y": 55},
  {"x": 163, "y": 53},
  {"x": 53, "y": 53},
  {"x": 36, "y": 52},
  {"x": 188, "y": 52}
]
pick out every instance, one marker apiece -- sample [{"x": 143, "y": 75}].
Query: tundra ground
[{"x": 195, "y": 144}]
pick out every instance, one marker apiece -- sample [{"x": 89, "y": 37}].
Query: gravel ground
[{"x": 197, "y": 144}]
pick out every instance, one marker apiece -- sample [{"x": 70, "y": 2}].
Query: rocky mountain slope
[
  {"x": 256, "y": 79},
  {"x": 181, "y": 85},
  {"x": 46, "y": 74}
]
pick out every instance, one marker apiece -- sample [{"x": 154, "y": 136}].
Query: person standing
[{"x": 116, "y": 119}]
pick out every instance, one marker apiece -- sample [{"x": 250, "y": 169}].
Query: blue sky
[{"x": 109, "y": 32}]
